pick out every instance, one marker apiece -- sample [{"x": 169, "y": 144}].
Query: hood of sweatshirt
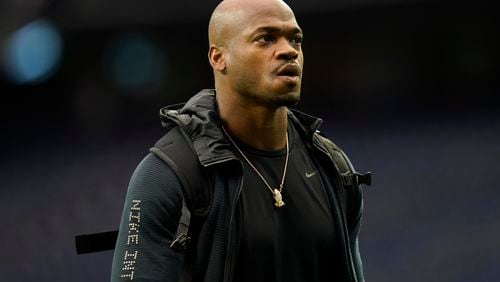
[{"x": 199, "y": 119}]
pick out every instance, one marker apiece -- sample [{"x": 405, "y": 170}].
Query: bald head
[
  {"x": 231, "y": 16},
  {"x": 255, "y": 52}
]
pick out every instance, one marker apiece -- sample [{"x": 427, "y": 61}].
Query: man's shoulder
[{"x": 154, "y": 182}]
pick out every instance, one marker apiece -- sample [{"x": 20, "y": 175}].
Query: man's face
[{"x": 264, "y": 57}]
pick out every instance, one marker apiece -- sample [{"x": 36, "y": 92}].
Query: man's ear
[{"x": 216, "y": 58}]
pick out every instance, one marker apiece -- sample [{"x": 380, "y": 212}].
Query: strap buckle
[
  {"x": 180, "y": 243},
  {"x": 356, "y": 178}
]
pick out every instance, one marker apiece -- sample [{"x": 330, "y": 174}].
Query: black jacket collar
[{"x": 199, "y": 119}]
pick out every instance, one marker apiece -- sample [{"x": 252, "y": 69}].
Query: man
[{"x": 275, "y": 213}]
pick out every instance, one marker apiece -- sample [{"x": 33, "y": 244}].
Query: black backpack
[{"x": 175, "y": 148}]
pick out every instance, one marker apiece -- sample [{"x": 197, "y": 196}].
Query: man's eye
[
  {"x": 297, "y": 40},
  {"x": 265, "y": 39}
]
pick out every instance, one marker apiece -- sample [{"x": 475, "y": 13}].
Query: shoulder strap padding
[{"x": 176, "y": 149}]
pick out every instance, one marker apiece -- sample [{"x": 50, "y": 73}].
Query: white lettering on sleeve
[{"x": 133, "y": 230}]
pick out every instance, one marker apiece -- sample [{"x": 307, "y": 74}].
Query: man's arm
[{"x": 149, "y": 221}]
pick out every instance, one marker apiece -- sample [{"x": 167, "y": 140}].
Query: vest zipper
[{"x": 231, "y": 242}]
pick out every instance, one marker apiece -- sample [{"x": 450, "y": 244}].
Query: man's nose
[{"x": 287, "y": 51}]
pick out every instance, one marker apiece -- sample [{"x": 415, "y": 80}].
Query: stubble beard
[
  {"x": 269, "y": 97},
  {"x": 281, "y": 100},
  {"x": 286, "y": 100}
]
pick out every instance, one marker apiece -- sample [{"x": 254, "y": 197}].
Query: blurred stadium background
[{"x": 408, "y": 88}]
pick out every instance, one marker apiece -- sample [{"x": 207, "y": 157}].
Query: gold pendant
[{"x": 278, "y": 198}]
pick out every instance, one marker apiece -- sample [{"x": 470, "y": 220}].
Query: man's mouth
[{"x": 289, "y": 70}]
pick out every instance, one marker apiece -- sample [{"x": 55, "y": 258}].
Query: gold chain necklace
[{"x": 276, "y": 191}]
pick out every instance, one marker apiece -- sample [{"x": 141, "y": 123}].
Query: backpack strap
[
  {"x": 350, "y": 178},
  {"x": 175, "y": 149},
  {"x": 349, "y": 194},
  {"x": 96, "y": 242}
]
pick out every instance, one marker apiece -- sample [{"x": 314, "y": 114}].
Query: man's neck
[{"x": 258, "y": 126}]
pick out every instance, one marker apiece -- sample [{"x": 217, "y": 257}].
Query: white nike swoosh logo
[{"x": 308, "y": 175}]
